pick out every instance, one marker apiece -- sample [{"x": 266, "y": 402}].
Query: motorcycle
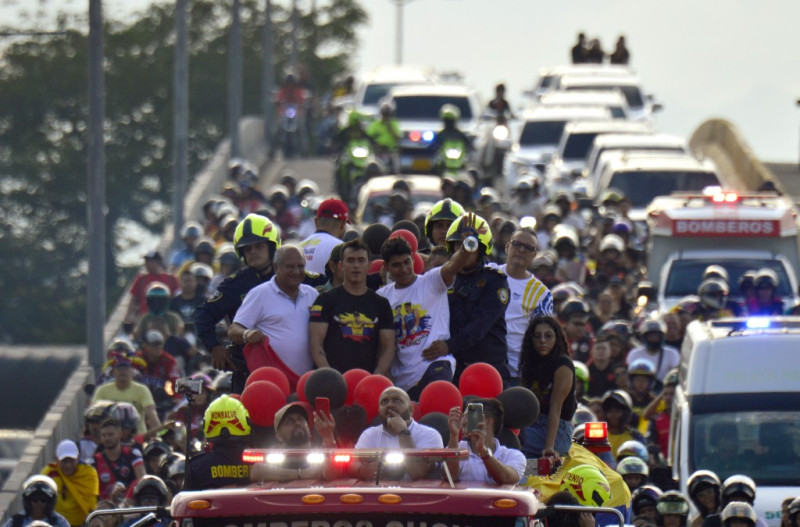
[
  {"x": 494, "y": 151},
  {"x": 452, "y": 157},
  {"x": 289, "y": 132},
  {"x": 351, "y": 168}
]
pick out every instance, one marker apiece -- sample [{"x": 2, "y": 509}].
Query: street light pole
[
  {"x": 398, "y": 51},
  {"x": 235, "y": 79},
  {"x": 295, "y": 28},
  {"x": 180, "y": 122},
  {"x": 267, "y": 72}
]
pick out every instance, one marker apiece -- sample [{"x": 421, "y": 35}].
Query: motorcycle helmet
[
  {"x": 620, "y": 399},
  {"x": 646, "y": 289},
  {"x": 204, "y": 246},
  {"x": 449, "y": 112},
  {"x": 632, "y": 448},
  {"x": 612, "y": 242},
  {"x": 671, "y": 502},
  {"x": 565, "y": 234},
  {"x": 738, "y": 485},
  {"x": 305, "y": 187},
  {"x": 701, "y": 480},
  {"x": 739, "y": 510},
  {"x": 484, "y": 234},
  {"x": 562, "y": 292},
  {"x": 747, "y": 281},
  {"x": 278, "y": 193},
  {"x": 652, "y": 325},
  {"x": 672, "y": 378},
  {"x": 191, "y": 229},
  {"x": 573, "y": 307},
  {"x": 713, "y": 292},
  {"x": 98, "y": 411},
  {"x": 582, "y": 374},
  {"x": 644, "y": 496},
  {"x": 715, "y": 271},
  {"x": 39, "y": 486},
  {"x": 587, "y": 484},
  {"x": 633, "y": 465},
  {"x": 226, "y": 417},
  {"x": 172, "y": 466},
  {"x": 354, "y": 118},
  {"x": 157, "y": 297},
  {"x": 150, "y": 488},
  {"x": 255, "y": 228},
  {"x": 766, "y": 278},
  {"x": 794, "y": 508},
  {"x": 581, "y": 416},
  {"x": 126, "y": 414},
  {"x": 618, "y": 329},
  {"x": 642, "y": 367},
  {"x": 622, "y": 226}
]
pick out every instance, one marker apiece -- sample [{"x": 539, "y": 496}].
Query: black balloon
[
  {"x": 520, "y": 407},
  {"x": 326, "y": 382},
  {"x": 508, "y": 439},
  {"x": 437, "y": 421}
]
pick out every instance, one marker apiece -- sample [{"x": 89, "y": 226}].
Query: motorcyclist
[
  {"x": 672, "y": 510},
  {"x": 450, "y": 133},
  {"x": 352, "y": 135},
  {"x": 703, "y": 488},
  {"x": 499, "y": 104},
  {"x": 386, "y": 133},
  {"x": 713, "y": 293},
  {"x": 39, "y": 495},
  {"x": 290, "y": 93}
]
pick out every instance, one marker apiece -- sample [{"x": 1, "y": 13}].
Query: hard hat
[
  {"x": 255, "y": 228},
  {"x": 446, "y": 209},
  {"x": 226, "y": 417},
  {"x": 587, "y": 484},
  {"x": 482, "y": 229}
]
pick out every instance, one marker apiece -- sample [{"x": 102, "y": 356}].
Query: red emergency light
[
  {"x": 249, "y": 456},
  {"x": 725, "y": 197},
  {"x": 415, "y": 136},
  {"x": 342, "y": 458},
  {"x": 596, "y": 431}
]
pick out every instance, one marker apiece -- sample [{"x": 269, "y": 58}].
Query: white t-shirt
[
  {"x": 670, "y": 360},
  {"x": 529, "y": 297},
  {"x": 378, "y": 437},
  {"x": 421, "y": 316},
  {"x": 474, "y": 469},
  {"x": 317, "y": 249},
  {"x": 283, "y": 320}
]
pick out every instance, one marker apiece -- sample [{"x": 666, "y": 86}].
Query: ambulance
[
  {"x": 739, "y": 231},
  {"x": 737, "y": 406}
]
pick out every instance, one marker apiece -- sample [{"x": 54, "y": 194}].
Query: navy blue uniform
[
  {"x": 478, "y": 303},
  {"x": 222, "y": 467}
]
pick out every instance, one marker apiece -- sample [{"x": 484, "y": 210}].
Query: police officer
[
  {"x": 227, "y": 426},
  {"x": 478, "y": 302},
  {"x": 256, "y": 239}
]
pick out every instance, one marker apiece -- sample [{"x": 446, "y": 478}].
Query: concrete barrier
[
  {"x": 721, "y": 141},
  {"x": 64, "y": 418}
]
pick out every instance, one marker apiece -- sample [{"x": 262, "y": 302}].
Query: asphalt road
[
  {"x": 319, "y": 170},
  {"x": 789, "y": 176}
]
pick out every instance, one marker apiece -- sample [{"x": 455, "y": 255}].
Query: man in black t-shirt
[{"x": 351, "y": 326}]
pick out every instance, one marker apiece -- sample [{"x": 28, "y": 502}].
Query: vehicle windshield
[
  {"x": 374, "y": 92},
  {"x": 618, "y": 148},
  {"x": 396, "y": 518},
  {"x": 618, "y": 112},
  {"x": 427, "y": 106},
  {"x": 632, "y": 93},
  {"x": 684, "y": 275},
  {"x": 536, "y": 133},
  {"x": 578, "y": 146},
  {"x": 765, "y": 445},
  {"x": 642, "y": 187}
]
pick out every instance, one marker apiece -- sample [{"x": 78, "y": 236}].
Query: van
[{"x": 737, "y": 406}]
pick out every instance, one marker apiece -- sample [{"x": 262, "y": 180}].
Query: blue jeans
[
  {"x": 439, "y": 370},
  {"x": 534, "y": 437}
]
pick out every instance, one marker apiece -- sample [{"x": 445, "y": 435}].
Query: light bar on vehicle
[
  {"x": 428, "y": 135},
  {"x": 757, "y": 323},
  {"x": 725, "y": 197},
  {"x": 597, "y": 431},
  {"x": 344, "y": 455}
]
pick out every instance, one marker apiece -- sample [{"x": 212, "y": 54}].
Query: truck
[
  {"x": 737, "y": 406},
  {"x": 687, "y": 232}
]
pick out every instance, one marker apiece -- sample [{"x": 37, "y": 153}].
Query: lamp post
[
  {"x": 180, "y": 122},
  {"x": 398, "y": 50}
]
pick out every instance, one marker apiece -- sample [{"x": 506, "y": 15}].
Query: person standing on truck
[
  {"x": 488, "y": 461},
  {"x": 663, "y": 357},
  {"x": 767, "y": 302}
]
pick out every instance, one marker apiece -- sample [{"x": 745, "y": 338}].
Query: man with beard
[
  {"x": 118, "y": 466},
  {"x": 291, "y": 431},
  {"x": 397, "y": 430}
]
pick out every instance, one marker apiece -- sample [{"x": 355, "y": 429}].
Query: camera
[
  {"x": 189, "y": 385},
  {"x": 471, "y": 244}
]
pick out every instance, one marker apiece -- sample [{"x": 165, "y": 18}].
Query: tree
[{"x": 43, "y": 125}]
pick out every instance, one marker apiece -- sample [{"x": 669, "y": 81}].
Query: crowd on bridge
[{"x": 275, "y": 297}]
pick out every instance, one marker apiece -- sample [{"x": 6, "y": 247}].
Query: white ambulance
[
  {"x": 737, "y": 406},
  {"x": 739, "y": 231}
]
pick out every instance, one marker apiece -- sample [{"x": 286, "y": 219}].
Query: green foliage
[{"x": 43, "y": 140}]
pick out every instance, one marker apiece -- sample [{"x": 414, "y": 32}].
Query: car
[
  {"x": 417, "y": 113},
  {"x": 550, "y": 76},
  {"x": 641, "y": 106},
  {"x": 373, "y": 197},
  {"x": 643, "y": 178},
  {"x": 568, "y": 163},
  {"x": 376, "y": 85},
  {"x": 632, "y": 143},
  {"x": 613, "y": 100},
  {"x": 539, "y": 135}
]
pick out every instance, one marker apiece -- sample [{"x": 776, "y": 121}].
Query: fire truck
[
  {"x": 739, "y": 231},
  {"x": 352, "y": 502}
]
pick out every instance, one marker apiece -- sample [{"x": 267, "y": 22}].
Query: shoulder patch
[
  {"x": 495, "y": 270},
  {"x": 502, "y": 295},
  {"x": 216, "y": 296},
  {"x": 312, "y": 274}
]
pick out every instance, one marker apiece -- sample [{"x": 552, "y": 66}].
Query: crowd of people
[
  {"x": 552, "y": 300},
  {"x": 590, "y": 51}
]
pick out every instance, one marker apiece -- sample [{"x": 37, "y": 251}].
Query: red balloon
[
  {"x": 419, "y": 264},
  {"x": 408, "y": 236},
  {"x": 262, "y": 399},
  {"x": 440, "y": 396},
  {"x": 301, "y": 385},
  {"x": 368, "y": 392},
  {"x": 416, "y": 411},
  {"x": 480, "y": 379},
  {"x": 376, "y": 266},
  {"x": 271, "y": 374},
  {"x": 352, "y": 378}
]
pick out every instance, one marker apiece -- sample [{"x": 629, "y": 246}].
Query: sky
[{"x": 735, "y": 59}]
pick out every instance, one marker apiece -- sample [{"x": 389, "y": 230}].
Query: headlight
[
  {"x": 360, "y": 152},
  {"x": 500, "y": 133}
]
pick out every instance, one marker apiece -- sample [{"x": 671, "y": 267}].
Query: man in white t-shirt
[
  {"x": 529, "y": 296},
  {"x": 421, "y": 316},
  {"x": 279, "y": 309},
  {"x": 331, "y": 221},
  {"x": 397, "y": 430}
]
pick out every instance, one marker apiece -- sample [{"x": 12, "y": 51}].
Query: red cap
[{"x": 333, "y": 208}]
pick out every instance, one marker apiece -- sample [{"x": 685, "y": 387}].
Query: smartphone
[
  {"x": 322, "y": 404},
  {"x": 474, "y": 416}
]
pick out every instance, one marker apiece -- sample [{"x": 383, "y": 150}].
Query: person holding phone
[{"x": 488, "y": 461}]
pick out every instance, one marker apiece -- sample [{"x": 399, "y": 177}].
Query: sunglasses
[{"x": 523, "y": 246}]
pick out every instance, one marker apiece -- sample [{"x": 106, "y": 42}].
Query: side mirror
[{"x": 657, "y": 107}]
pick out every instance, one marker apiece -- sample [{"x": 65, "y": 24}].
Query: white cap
[{"x": 67, "y": 448}]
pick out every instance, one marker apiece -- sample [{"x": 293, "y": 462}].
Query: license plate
[{"x": 421, "y": 164}]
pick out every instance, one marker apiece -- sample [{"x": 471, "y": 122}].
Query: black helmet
[
  {"x": 150, "y": 485},
  {"x": 652, "y": 325},
  {"x": 702, "y": 479},
  {"x": 644, "y": 496},
  {"x": 204, "y": 246},
  {"x": 619, "y": 398},
  {"x": 41, "y": 486},
  {"x": 574, "y": 306},
  {"x": 738, "y": 484},
  {"x": 619, "y": 329},
  {"x": 671, "y": 502},
  {"x": 747, "y": 280},
  {"x": 172, "y": 465},
  {"x": 739, "y": 510},
  {"x": 156, "y": 448}
]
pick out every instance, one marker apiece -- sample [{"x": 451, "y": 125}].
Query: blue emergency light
[{"x": 758, "y": 323}]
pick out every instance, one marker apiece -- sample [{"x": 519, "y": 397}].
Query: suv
[
  {"x": 376, "y": 85},
  {"x": 641, "y": 106},
  {"x": 417, "y": 113},
  {"x": 613, "y": 100}
]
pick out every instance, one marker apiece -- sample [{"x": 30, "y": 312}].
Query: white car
[
  {"x": 641, "y": 106},
  {"x": 616, "y": 103},
  {"x": 539, "y": 135},
  {"x": 417, "y": 113},
  {"x": 549, "y": 76},
  {"x": 376, "y": 85},
  {"x": 631, "y": 143},
  {"x": 373, "y": 197},
  {"x": 568, "y": 163}
]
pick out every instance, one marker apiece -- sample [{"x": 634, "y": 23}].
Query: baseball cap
[
  {"x": 333, "y": 208},
  {"x": 67, "y": 448},
  {"x": 294, "y": 407},
  {"x": 153, "y": 336}
]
